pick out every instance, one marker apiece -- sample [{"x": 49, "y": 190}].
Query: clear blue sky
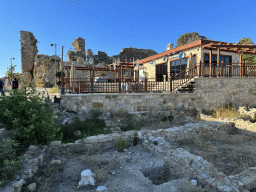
[{"x": 111, "y": 25}]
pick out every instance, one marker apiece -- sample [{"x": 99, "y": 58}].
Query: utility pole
[
  {"x": 62, "y": 72},
  {"x": 55, "y": 62}
]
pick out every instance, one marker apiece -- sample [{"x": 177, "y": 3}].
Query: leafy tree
[
  {"x": 188, "y": 38},
  {"x": 248, "y": 58},
  {"x": 10, "y": 72}
]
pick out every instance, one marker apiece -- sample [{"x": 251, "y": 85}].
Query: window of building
[
  {"x": 225, "y": 59},
  {"x": 180, "y": 65},
  {"x": 161, "y": 70}
]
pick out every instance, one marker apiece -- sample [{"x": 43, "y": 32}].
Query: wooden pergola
[
  {"x": 227, "y": 47},
  {"x": 119, "y": 68},
  {"x": 123, "y": 66}
]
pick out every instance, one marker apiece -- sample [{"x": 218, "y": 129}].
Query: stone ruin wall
[
  {"x": 28, "y": 53},
  {"x": 79, "y": 46},
  {"x": 45, "y": 68},
  {"x": 29, "y": 58}
]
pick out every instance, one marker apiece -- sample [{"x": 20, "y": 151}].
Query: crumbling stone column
[{"x": 28, "y": 53}]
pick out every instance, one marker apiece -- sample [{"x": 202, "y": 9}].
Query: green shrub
[
  {"x": 121, "y": 145},
  {"x": 89, "y": 127},
  {"x": 9, "y": 162},
  {"x": 96, "y": 113},
  {"x": 54, "y": 90},
  {"x": 26, "y": 114}
]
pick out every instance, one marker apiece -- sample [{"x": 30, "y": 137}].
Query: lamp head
[{"x": 51, "y": 45}]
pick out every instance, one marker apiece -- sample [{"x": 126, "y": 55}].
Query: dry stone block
[
  {"x": 105, "y": 138},
  {"x": 55, "y": 162},
  {"x": 32, "y": 187},
  {"x": 92, "y": 139},
  {"x": 56, "y": 143},
  {"x": 87, "y": 178}
]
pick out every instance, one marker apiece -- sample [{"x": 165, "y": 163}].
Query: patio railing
[
  {"x": 114, "y": 86},
  {"x": 230, "y": 70},
  {"x": 146, "y": 85}
]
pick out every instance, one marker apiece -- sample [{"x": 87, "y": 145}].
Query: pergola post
[
  {"x": 218, "y": 62},
  {"x": 171, "y": 83},
  {"x": 243, "y": 68},
  {"x": 222, "y": 68},
  {"x": 200, "y": 68},
  {"x": 121, "y": 72},
  {"x": 241, "y": 64},
  {"x": 210, "y": 63}
]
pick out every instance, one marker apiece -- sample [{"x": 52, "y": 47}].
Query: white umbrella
[{"x": 190, "y": 62}]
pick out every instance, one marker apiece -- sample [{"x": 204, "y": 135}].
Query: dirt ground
[
  {"x": 231, "y": 150},
  {"x": 136, "y": 169}
]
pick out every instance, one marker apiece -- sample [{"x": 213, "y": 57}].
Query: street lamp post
[
  {"x": 11, "y": 67},
  {"x": 55, "y": 62},
  {"x": 61, "y": 72}
]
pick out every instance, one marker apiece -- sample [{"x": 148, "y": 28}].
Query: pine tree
[{"x": 248, "y": 58}]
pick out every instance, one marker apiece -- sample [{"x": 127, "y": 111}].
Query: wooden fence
[{"x": 146, "y": 85}]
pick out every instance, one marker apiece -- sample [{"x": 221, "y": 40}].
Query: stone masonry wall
[
  {"x": 28, "y": 53},
  {"x": 28, "y": 50},
  {"x": 213, "y": 92},
  {"x": 209, "y": 92}
]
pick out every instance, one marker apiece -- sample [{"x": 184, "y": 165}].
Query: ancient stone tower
[
  {"x": 28, "y": 53},
  {"x": 79, "y": 45}
]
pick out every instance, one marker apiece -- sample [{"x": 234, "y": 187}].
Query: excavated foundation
[{"x": 159, "y": 175}]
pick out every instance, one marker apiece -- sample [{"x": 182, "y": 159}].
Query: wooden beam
[
  {"x": 207, "y": 45},
  {"x": 210, "y": 63},
  {"x": 218, "y": 62}
]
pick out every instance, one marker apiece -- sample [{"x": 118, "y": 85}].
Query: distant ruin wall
[
  {"x": 79, "y": 46},
  {"x": 28, "y": 53},
  {"x": 28, "y": 50}
]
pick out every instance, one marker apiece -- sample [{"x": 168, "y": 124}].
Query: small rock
[
  {"x": 87, "y": 178},
  {"x": 101, "y": 188},
  {"x": 77, "y": 133},
  {"x": 204, "y": 176},
  {"x": 56, "y": 143},
  {"x": 55, "y": 162},
  {"x": 32, "y": 187},
  {"x": 240, "y": 183},
  {"x": 113, "y": 173},
  {"x": 194, "y": 182},
  {"x": 17, "y": 186}
]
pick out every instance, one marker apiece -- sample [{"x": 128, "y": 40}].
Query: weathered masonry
[{"x": 210, "y": 92}]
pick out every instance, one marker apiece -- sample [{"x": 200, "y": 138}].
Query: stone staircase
[{"x": 188, "y": 87}]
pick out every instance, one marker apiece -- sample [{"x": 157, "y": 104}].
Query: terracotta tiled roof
[{"x": 207, "y": 44}]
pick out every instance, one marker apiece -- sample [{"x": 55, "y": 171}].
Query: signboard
[{"x": 174, "y": 56}]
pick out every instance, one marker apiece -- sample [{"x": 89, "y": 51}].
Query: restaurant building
[{"x": 201, "y": 52}]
